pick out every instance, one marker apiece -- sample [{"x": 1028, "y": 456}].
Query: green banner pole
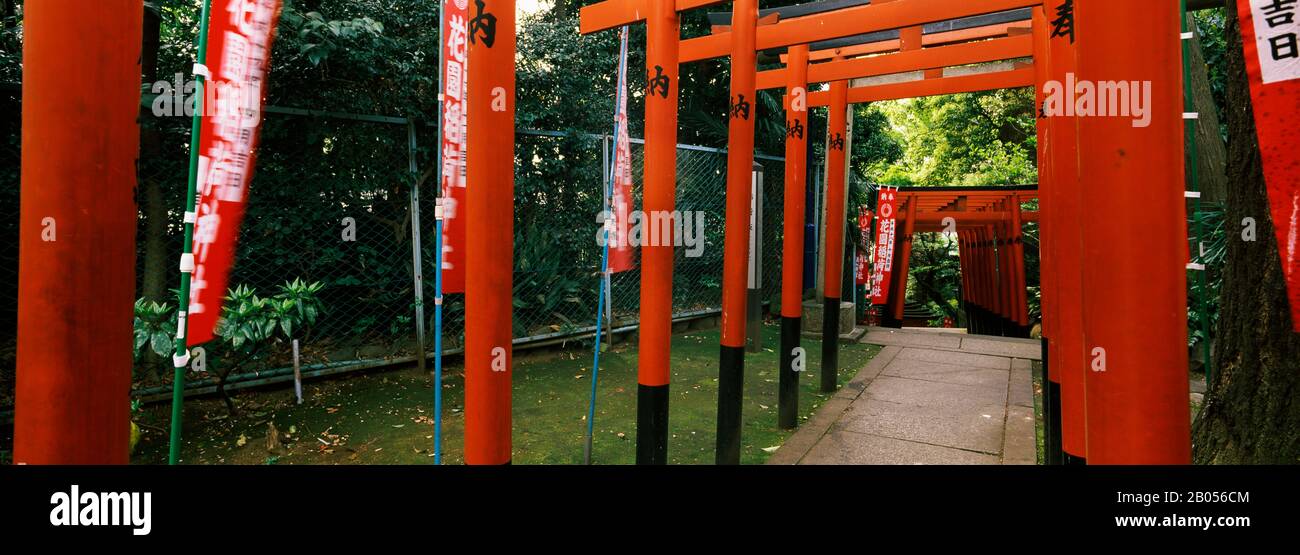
[
  {"x": 1194, "y": 186},
  {"x": 182, "y": 357}
]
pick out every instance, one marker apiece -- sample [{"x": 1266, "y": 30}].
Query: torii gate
[
  {"x": 817, "y": 26},
  {"x": 910, "y": 57},
  {"x": 745, "y": 36},
  {"x": 1129, "y": 178},
  {"x": 987, "y": 223}
]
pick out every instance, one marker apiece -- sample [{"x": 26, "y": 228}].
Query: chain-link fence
[
  {"x": 10, "y": 161},
  {"x": 558, "y": 199},
  {"x": 330, "y": 203}
]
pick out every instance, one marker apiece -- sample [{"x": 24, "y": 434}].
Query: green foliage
[
  {"x": 548, "y": 282},
  {"x": 297, "y": 305},
  {"x": 1210, "y": 27},
  {"x": 249, "y": 322},
  {"x": 319, "y": 38},
  {"x": 155, "y": 328},
  {"x": 359, "y": 56},
  {"x": 247, "y": 319},
  {"x": 1213, "y": 223},
  {"x": 11, "y": 45},
  {"x": 935, "y": 273},
  {"x": 977, "y": 139},
  {"x": 566, "y": 81}
]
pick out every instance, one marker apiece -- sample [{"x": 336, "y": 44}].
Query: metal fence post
[{"x": 416, "y": 249}]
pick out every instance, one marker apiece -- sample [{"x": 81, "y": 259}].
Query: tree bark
[
  {"x": 154, "y": 274},
  {"x": 1250, "y": 415},
  {"x": 1211, "y": 152}
]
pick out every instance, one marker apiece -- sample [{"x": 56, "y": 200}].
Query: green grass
[{"x": 385, "y": 418}]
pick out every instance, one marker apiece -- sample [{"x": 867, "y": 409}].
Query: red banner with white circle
[{"x": 883, "y": 252}]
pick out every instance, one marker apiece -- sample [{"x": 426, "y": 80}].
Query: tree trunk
[
  {"x": 1250, "y": 414},
  {"x": 154, "y": 274},
  {"x": 1212, "y": 154}
]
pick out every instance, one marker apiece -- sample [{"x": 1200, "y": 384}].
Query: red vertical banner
[
  {"x": 862, "y": 266},
  {"x": 883, "y": 252},
  {"x": 455, "y": 70},
  {"x": 1270, "y": 34},
  {"x": 621, "y": 257},
  {"x": 240, "y": 34}
]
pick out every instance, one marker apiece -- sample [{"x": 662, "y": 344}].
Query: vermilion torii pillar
[
  {"x": 903, "y": 260},
  {"x": 833, "y": 237},
  {"x": 1021, "y": 291},
  {"x": 1134, "y": 284},
  {"x": 1067, "y": 245},
  {"x": 1047, "y": 273},
  {"x": 489, "y": 217},
  {"x": 658, "y": 197},
  {"x": 655, "y": 325},
  {"x": 931, "y": 60},
  {"x": 76, "y": 281},
  {"x": 740, "y": 162},
  {"x": 796, "y": 159}
]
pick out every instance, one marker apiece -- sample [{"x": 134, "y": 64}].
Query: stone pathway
[{"x": 929, "y": 397}]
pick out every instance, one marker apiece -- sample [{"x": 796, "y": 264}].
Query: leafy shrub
[{"x": 155, "y": 328}]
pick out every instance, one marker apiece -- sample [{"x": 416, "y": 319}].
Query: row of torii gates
[{"x": 1111, "y": 193}]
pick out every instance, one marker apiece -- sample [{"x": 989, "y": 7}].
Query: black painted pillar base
[
  {"x": 1052, "y": 445},
  {"x": 651, "y": 424},
  {"x": 731, "y": 376},
  {"x": 787, "y": 400},
  {"x": 1071, "y": 460},
  {"x": 830, "y": 344},
  {"x": 1052, "y": 453}
]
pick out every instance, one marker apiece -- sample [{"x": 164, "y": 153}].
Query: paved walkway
[{"x": 929, "y": 397}]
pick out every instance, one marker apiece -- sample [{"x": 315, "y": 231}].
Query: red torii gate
[
  {"x": 1133, "y": 369},
  {"x": 988, "y": 224},
  {"x": 809, "y": 28},
  {"x": 909, "y": 14},
  {"x": 909, "y": 57}
]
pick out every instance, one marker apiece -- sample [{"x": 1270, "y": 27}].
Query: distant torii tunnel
[{"x": 988, "y": 223}]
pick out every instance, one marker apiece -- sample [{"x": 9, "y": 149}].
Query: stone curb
[{"x": 799, "y": 444}]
